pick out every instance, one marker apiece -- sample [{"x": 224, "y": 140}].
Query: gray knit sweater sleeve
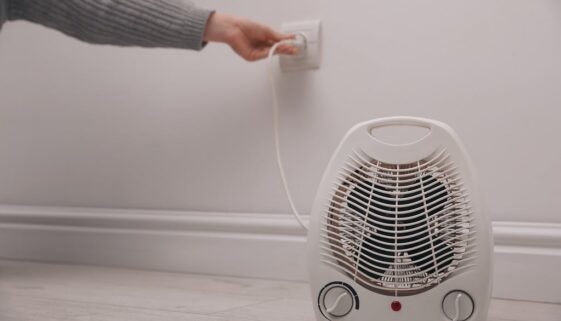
[{"x": 146, "y": 23}]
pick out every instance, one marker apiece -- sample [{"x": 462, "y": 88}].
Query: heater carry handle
[
  {"x": 432, "y": 127},
  {"x": 393, "y": 149}
]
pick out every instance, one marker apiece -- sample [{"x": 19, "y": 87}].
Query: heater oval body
[{"x": 397, "y": 231}]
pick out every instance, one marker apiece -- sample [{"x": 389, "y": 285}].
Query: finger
[
  {"x": 288, "y": 36},
  {"x": 281, "y": 50},
  {"x": 288, "y": 49},
  {"x": 285, "y": 51},
  {"x": 258, "y": 54},
  {"x": 277, "y": 36}
]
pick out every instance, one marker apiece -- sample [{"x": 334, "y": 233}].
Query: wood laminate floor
[{"x": 51, "y": 292}]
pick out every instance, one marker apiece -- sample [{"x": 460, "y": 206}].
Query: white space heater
[{"x": 397, "y": 231}]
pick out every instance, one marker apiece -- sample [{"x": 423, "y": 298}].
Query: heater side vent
[{"x": 399, "y": 229}]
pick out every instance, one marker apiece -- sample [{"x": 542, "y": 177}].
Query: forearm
[{"x": 147, "y": 23}]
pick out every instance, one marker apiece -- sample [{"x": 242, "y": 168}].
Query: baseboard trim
[{"x": 229, "y": 243}]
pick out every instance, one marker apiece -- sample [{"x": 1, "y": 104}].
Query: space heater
[{"x": 397, "y": 231}]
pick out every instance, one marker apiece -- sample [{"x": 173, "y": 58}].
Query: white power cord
[{"x": 300, "y": 42}]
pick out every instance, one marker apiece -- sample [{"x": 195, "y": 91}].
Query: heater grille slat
[
  {"x": 445, "y": 197},
  {"x": 417, "y": 287},
  {"x": 411, "y": 270},
  {"x": 435, "y": 160},
  {"x": 335, "y": 217},
  {"x": 448, "y": 236},
  {"x": 399, "y": 229},
  {"x": 345, "y": 252}
]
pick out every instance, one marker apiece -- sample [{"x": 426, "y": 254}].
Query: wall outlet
[{"x": 309, "y": 58}]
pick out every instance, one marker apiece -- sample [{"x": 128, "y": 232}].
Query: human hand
[{"x": 249, "y": 39}]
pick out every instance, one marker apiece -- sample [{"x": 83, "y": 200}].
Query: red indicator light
[{"x": 396, "y": 306}]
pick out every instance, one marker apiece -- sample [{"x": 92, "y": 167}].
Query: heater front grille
[{"x": 398, "y": 229}]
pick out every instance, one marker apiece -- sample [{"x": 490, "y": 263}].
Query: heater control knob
[
  {"x": 338, "y": 301},
  {"x": 458, "y": 306}
]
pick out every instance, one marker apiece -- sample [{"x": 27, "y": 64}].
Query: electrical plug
[{"x": 300, "y": 42}]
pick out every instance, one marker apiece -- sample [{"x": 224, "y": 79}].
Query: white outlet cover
[{"x": 311, "y": 58}]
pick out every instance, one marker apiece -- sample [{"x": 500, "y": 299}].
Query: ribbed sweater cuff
[
  {"x": 197, "y": 27},
  {"x": 147, "y": 23}
]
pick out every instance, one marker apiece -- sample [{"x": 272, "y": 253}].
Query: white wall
[{"x": 97, "y": 126}]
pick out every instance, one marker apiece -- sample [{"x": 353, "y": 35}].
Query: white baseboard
[{"x": 527, "y": 265}]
